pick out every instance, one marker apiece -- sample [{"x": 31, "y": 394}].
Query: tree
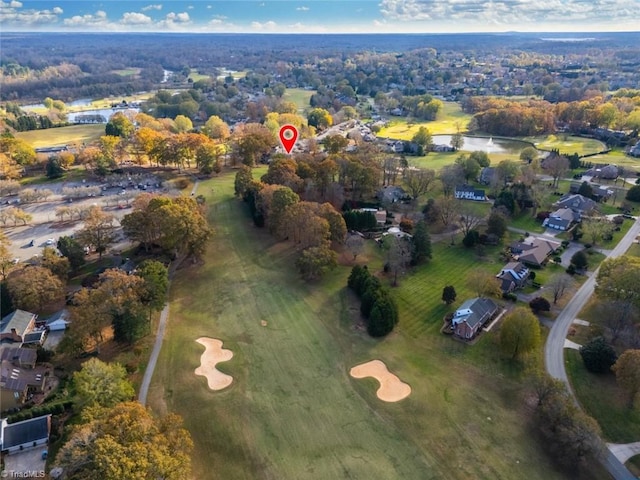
[
  {"x": 449, "y": 294},
  {"x": 58, "y": 265},
  {"x": 102, "y": 384},
  {"x": 34, "y": 287},
  {"x": 243, "y": 179},
  {"x": 496, "y": 224},
  {"x": 145, "y": 447},
  {"x": 579, "y": 260},
  {"x": 457, "y": 141},
  {"x": 450, "y": 176},
  {"x": 383, "y": 317},
  {"x": 251, "y": 142},
  {"x": 468, "y": 219},
  {"x": 619, "y": 279},
  {"x": 355, "y": 245},
  {"x": 335, "y": 143},
  {"x": 421, "y": 243},
  {"x": 314, "y": 262},
  {"x": 598, "y": 356},
  {"x": 398, "y": 254},
  {"x": 585, "y": 190},
  {"x": 556, "y": 166},
  {"x": 469, "y": 166},
  {"x": 480, "y": 157},
  {"x": 319, "y": 118},
  {"x": 633, "y": 194},
  {"x": 5, "y": 255},
  {"x": 539, "y": 304},
  {"x": 627, "y": 370},
  {"x": 423, "y": 138},
  {"x": 182, "y": 124},
  {"x": 54, "y": 168},
  {"x": 418, "y": 181},
  {"x": 558, "y": 284},
  {"x": 119, "y": 126},
  {"x": 98, "y": 232},
  {"x": 519, "y": 333},
  {"x": 483, "y": 284},
  {"x": 156, "y": 284},
  {"x": 596, "y": 229},
  {"x": 216, "y": 128},
  {"x": 528, "y": 154},
  {"x": 620, "y": 318}
]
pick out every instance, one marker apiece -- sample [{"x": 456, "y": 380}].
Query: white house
[{"x": 467, "y": 192}]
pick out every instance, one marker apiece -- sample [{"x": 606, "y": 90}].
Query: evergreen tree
[
  {"x": 421, "y": 243},
  {"x": 449, "y": 294}
]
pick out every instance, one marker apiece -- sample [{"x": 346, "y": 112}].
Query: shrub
[
  {"x": 571, "y": 269},
  {"x": 633, "y": 194},
  {"x": 539, "y": 304},
  {"x": 510, "y": 296},
  {"x": 579, "y": 260},
  {"x": 471, "y": 238},
  {"x": 618, "y": 220},
  {"x": 598, "y": 356}
]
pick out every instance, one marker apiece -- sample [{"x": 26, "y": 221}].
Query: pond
[
  {"x": 96, "y": 116},
  {"x": 486, "y": 144}
]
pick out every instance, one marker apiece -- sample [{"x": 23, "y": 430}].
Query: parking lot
[{"x": 114, "y": 197}]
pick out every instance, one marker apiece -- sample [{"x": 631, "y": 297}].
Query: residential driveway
[
  {"x": 624, "y": 451},
  {"x": 570, "y": 251},
  {"x": 25, "y": 464}
]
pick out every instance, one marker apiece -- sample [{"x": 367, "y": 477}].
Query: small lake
[
  {"x": 485, "y": 144},
  {"x": 92, "y": 116}
]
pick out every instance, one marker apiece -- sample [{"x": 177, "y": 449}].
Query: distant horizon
[{"x": 319, "y": 16}]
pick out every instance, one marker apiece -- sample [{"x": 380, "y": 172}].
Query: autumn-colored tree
[
  {"x": 156, "y": 284},
  {"x": 334, "y": 144},
  {"x": 216, "y": 128},
  {"x": 483, "y": 284},
  {"x": 315, "y": 261},
  {"x": 302, "y": 226},
  {"x": 519, "y": 333},
  {"x": 251, "y": 142},
  {"x": 282, "y": 171},
  {"x": 182, "y": 124},
  {"x": 627, "y": 370},
  {"x": 556, "y": 166},
  {"x": 145, "y": 447},
  {"x": 17, "y": 150},
  {"x": 102, "y": 384},
  {"x": 423, "y": 138},
  {"x": 99, "y": 230},
  {"x": 58, "y": 265},
  {"x": 319, "y": 118},
  {"x": 32, "y": 288},
  {"x": 119, "y": 126},
  {"x": 355, "y": 245}
]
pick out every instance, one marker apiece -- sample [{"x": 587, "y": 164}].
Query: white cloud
[
  {"x": 178, "y": 17},
  {"x": 13, "y": 14},
  {"x": 157, "y": 6},
  {"x": 190, "y": 7},
  {"x": 270, "y": 25},
  {"x": 98, "y": 19},
  {"x": 57, "y": 10},
  {"x": 135, "y": 18},
  {"x": 302, "y": 9},
  {"x": 509, "y": 13},
  {"x": 209, "y": 7},
  {"x": 15, "y": 4}
]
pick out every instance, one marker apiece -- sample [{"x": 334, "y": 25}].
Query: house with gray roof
[
  {"x": 534, "y": 252},
  {"x": 607, "y": 172},
  {"x": 18, "y": 436},
  {"x": 561, "y": 219},
  {"x": 472, "y": 315},
  {"x": 513, "y": 276},
  {"x": 15, "y": 326},
  {"x": 576, "y": 202}
]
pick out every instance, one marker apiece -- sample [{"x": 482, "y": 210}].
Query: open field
[
  {"x": 195, "y": 76},
  {"x": 127, "y": 72},
  {"x": 300, "y": 97},
  {"x": 568, "y": 144},
  {"x": 293, "y": 411},
  {"x": 50, "y": 137},
  {"x": 601, "y": 397},
  {"x": 451, "y": 114}
]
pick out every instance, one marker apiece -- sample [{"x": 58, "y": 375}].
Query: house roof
[
  {"x": 539, "y": 250},
  {"x": 18, "y": 320},
  {"x": 34, "y": 337},
  {"x": 576, "y": 202},
  {"x": 25, "y": 432},
  {"x": 20, "y": 355},
  {"x": 480, "y": 309},
  {"x": 470, "y": 189}
]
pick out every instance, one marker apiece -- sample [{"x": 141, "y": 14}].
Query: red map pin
[{"x": 288, "y": 137}]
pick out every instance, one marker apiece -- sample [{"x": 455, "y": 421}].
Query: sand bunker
[
  {"x": 392, "y": 389},
  {"x": 214, "y": 354}
]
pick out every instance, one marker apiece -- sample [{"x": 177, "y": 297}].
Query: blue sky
[{"x": 321, "y": 16}]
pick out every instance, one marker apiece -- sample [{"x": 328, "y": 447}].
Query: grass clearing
[
  {"x": 293, "y": 411},
  {"x": 127, "y": 72},
  {"x": 601, "y": 397},
  {"x": 568, "y": 144},
  {"x": 195, "y": 76},
  {"x": 51, "y": 137},
  {"x": 446, "y": 123},
  {"x": 300, "y": 97}
]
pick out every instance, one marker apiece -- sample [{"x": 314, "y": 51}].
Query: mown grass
[
  {"x": 568, "y": 144},
  {"x": 601, "y": 397},
  {"x": 449, "y": 120},
  {"x": 76, "y": 134},
  {"x": 300, "y": 97},
  {"x": 293, "y": 411},
  {"x": 127, "y": 72},
  {"x": 195, "y": 76},
  {"x": 524, "y": 221}
]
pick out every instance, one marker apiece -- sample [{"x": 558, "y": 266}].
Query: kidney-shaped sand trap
[
  {"x": 392, "y": 389},
  {"x": 214, "y": 354}
]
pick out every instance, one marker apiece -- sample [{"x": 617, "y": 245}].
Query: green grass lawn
[
  {"x": 300, "y": 97},
  {"x": 634, "y": 250},
  {"x": 568, "y": 144},
  {"x": 526, "y": 222},
  {"x": 195, "y": 76},
  {"x": 293, "y": 411},
  {"x": 446, "y": 123},
  {"x": 127, "y": 72},
  {"x": 49, "y": 137},
  {"x": 437, "y": 160},
  {"x": 601, "y": 397}
]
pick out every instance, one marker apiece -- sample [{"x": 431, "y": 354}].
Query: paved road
[
  {"x": 554, "y": 348},
  {"x": 624, "y": 451}
]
